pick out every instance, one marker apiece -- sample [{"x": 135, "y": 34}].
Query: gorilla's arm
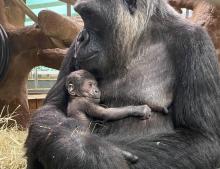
[
  {"x": 197, "y": 94},
  {"x": 55, "y": 141}
]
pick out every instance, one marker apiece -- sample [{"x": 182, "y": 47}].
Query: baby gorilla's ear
[{"x": 70, "y": 89}]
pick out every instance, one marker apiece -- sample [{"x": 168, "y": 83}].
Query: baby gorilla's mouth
[{"x": 94, "y": 99}]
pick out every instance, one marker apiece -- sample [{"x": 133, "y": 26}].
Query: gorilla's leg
[
  {"x": 33, "y": 163},
  {"x": 60, "y": 144}
]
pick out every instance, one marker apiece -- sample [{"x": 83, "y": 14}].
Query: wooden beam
[
  {"x": 34, "y": 17},
  {"x": 45, "y": 5},
  {"x": 69, "y": 9},
  {"x": 26, "y": 10},
  {"x": 72, "y": 2}
]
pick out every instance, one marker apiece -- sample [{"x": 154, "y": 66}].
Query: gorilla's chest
[{"x": 148, "y": 81}]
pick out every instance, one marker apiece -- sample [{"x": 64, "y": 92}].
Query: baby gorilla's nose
[{"x": 97, "y": 93}]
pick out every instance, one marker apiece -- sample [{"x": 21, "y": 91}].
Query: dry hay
[{"x": 11, "y": 142}]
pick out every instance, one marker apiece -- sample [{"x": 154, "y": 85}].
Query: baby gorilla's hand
[{"x": 143, "y": 111}]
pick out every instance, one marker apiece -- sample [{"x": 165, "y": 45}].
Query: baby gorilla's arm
[{"x": 110, "y": 114}]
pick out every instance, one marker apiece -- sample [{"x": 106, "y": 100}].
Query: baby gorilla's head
[{"x": 81, "y": 83}]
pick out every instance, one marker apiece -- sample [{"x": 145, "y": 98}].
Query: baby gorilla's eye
[
  {"x": 132, "y": 5},
  {"x": 90, "y": 84}
]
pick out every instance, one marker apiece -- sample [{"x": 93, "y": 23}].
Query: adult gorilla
[{"x": 141, "y": 52}]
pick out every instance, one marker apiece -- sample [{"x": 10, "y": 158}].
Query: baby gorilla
[{"x": 84, "y": 96}]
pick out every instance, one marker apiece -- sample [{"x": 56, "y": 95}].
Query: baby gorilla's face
[{"x": 90, "y": 90}]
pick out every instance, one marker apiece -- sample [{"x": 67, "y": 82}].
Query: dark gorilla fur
[{"x": 140, "y": 52}]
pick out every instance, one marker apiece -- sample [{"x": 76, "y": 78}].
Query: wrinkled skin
[{"x": 141, "y": 52}]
